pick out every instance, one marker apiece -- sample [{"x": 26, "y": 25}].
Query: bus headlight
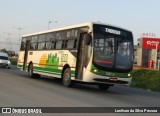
[
  {"x": 129, "y": 75},
  {"x": 94, "y": 70},
  {"x": 0, "y": 61}
]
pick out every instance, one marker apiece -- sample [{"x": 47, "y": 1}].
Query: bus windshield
[{"x": 112, "y": 52}]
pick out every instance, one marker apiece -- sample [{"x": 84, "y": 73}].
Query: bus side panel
[{"x": 51, "y": 63}]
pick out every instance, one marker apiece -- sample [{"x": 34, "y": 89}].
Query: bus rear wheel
[
  {"x": 31, "y": 74},
  {"x": 67, "y": 82},
  {"x": 103, "y": 86}
]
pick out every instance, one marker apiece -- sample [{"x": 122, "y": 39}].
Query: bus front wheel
[
  {"x": 103, "y": 86},
  {"x": 67, "y": 82}
]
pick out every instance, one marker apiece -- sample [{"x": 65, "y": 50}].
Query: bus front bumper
[{"x": 94, "y": 78}]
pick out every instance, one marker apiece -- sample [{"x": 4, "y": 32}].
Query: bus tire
[
  {"x": 30, "y": 72},
  {"x": 67, "y": 82},
  {"x": 103, "y": 86}
]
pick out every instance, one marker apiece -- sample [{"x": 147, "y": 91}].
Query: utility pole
[
  {"x": 19, "y": 31},
  {"x": 155, "y": 66}
]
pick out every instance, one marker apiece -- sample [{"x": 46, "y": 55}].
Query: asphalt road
[{"x": 18, "y": 90}]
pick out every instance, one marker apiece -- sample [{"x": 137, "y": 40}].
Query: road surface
[{"x": 18, "y": 90}]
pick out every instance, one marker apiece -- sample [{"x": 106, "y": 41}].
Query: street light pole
[
  {"x": 19, "y": 32},
  {"x": 156, "y": 56},
  {"x": 51, "y": 22}
]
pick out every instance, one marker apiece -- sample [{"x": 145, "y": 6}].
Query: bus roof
[{"x": 70, "y": 27}]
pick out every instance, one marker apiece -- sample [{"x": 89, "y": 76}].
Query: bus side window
[
  {"x": 68, "y": 34},
  {"x": 33, "y": 46},
  {"x": 66, "y": 44},
  {"x": 70, "y": 44},
  {"x": 52, "y": 45},
  {"x": 55, "y": 43},
  {"x": 63, "y": 44},
  {"x": 41, "y": 46},
  {"x": 22, "y": 46},
  {"x": 59, "y": 45},
  {"x": 41, "y": 42},
  {"x": 75, "y": 43},
  {"x": 48, "y": 45}
]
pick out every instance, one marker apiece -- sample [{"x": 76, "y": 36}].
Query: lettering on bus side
[{"x": 64, "y": 57}]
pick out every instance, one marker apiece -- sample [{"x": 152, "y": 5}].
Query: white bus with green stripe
[{"x": 92, "y": 53}]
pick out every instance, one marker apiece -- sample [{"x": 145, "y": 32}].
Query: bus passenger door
[
  {"x": 82, "y": 60},
  {"x": 26, "y": 55}
]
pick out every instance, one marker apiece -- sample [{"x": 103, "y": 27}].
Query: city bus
[{"x": 93, "y": 53}]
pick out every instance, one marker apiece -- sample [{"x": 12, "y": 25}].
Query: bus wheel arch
[{"x": 66, "y": 76}]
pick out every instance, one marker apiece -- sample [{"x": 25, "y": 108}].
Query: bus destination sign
[{"x": 113, "y": 31}]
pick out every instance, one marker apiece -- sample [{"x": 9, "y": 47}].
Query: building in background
[{"x": 147, "y": 52}]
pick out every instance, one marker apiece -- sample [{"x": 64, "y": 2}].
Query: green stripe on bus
[
  {"x": 47, "y": 72},
  {"x": 48, "y": 69},
  {"x": 19, "y": 65},
  {"x": 51, "y": 70},
  {"x": 107, "y": 73}
]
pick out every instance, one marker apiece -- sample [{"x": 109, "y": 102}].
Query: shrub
[{"x": 13, "y": 61}]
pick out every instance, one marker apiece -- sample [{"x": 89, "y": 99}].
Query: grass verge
[{"x": 146, "y": 79}]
